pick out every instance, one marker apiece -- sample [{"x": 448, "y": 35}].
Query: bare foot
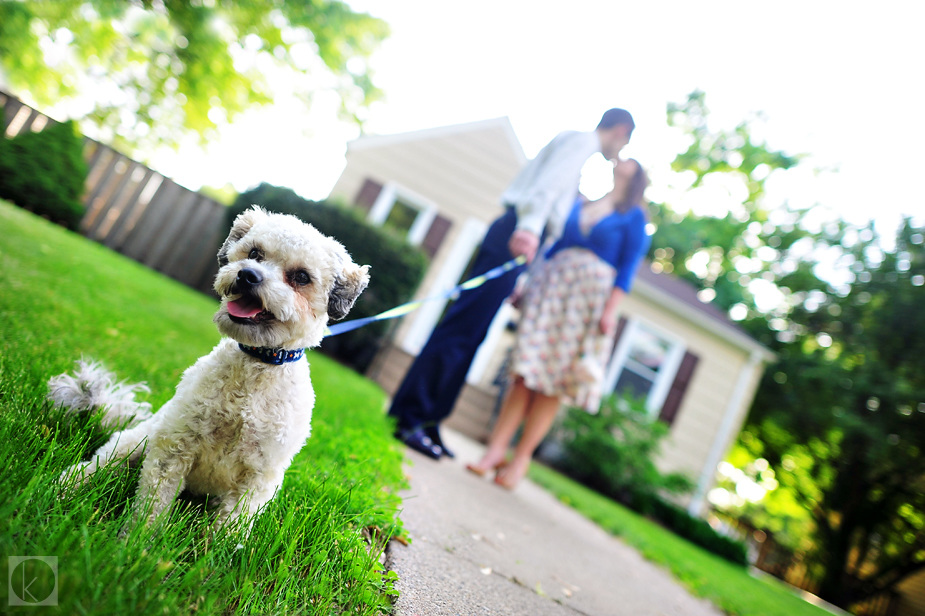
[
  {"x": 482, "y": 468},
  {"x": 510, "y": 474}
]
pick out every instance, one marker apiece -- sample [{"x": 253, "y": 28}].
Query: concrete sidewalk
[{"x": 479, "y": 549}]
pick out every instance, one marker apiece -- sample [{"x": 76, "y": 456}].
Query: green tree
[
  {"x": 727, "y": 256},
  {"x": 843, "y": 419},
  {"x": 152, "y": 70},
  {"x": 841, "y": 416}
]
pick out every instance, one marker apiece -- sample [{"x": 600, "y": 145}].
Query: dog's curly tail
[{"x": 93, "y": 388}]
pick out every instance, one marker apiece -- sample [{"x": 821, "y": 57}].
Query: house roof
[
  {"x": 680, "y": 297},
  {"x": 500, "y": 127}
]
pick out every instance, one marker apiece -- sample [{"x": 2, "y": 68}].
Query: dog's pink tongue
[{"x": 243, "y": 309}]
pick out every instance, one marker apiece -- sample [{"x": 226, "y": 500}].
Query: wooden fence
[{"x": 136, "y": 210}]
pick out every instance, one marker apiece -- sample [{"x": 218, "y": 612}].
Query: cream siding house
[
  {"x": 696, "y": 368},
  {"x": 447, "y": 182},
  {"x": 711, "y": 387}
]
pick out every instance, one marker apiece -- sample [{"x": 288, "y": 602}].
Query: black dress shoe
[
  {"x": 420, "y": 442},
  {"x": 434, "y": 435}
]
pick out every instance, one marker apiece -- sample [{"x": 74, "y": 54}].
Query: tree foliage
[
  {"x": 727, "y": 257},
  {"x": 149, "y": 70},
  {"x": 841, "y": 417},
  {"x": 851, "y": 453}
]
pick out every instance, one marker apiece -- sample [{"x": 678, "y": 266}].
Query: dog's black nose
[{"x": 248, "y": 278}]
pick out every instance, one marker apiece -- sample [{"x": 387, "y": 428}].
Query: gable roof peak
[{"x": 501, "y": 125}]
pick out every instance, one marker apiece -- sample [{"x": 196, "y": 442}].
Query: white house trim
[
  {"x": 487, "y": 349},
  {"x": 732, "y": 419},
  {"x": 382, "y": 205},
  {"x": 661, "y": 385},
  {"x": 391, "y": 192},
  {"x": 426, "y": 318},
  {"x": 421, "y": 225}
]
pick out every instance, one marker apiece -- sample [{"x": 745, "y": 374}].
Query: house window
[
  {"x": 413, "y": 217},
  {"x": 401, "y": 217},
  {"x": 399, "y": 209},
  {"x": 644, "y": 364}
]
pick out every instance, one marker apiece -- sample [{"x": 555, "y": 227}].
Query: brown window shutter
[
  {"x": 621, "y": 325},
  {"x": 438, "y": 230},
  {"x": 676, "y": 393},
  {"x": 368, "y": 194}
]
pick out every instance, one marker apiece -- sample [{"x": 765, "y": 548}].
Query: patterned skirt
[{"x": 560, "y": 349}]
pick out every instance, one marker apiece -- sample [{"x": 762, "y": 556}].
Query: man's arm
[{"x": 558, "y": 173}]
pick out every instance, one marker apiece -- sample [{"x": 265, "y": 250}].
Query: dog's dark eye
[
  {"x": 256, "y": 254},
  {"x": 301, "y": 278}
]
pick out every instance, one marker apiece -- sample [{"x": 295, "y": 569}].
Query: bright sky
[{"x": 839, "y": 80}]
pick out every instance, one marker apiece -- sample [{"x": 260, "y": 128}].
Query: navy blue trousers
[{"x": 432, "y": 384}]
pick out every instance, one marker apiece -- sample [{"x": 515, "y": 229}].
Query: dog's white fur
[
  {"x": 235, "y": 422},
  {"x": 94, "y": 387}
]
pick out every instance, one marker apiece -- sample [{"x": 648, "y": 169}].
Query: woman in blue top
[{"x": 569, "y": 318}]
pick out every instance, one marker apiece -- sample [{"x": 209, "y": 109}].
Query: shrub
[
  {"x": 613, "y": 451},
  {"x": 396, "y": 267},
  {"x": 694, "y": 529},
  {"x": 44, "y": 172}
]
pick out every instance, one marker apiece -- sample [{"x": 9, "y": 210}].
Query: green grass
[
  {"x": 726, "y": 585},
  {"x": 63, "y": 297}
]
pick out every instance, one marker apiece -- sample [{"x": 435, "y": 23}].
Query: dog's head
[{"x": 281, "y": 280}]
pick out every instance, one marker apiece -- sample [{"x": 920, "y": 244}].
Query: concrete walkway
[{"x": 479, "y": 549}]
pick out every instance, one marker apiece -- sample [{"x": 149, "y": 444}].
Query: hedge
[
  {"x": 694, "y": 529},
  {"x": 44, "y": 172},
  {"x": 396, "y": 267}
]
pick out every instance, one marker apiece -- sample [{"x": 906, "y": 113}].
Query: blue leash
[{"x": 398, "y": 311}]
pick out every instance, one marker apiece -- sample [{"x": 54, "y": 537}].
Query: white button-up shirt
[{"x": 544, "y": 191}]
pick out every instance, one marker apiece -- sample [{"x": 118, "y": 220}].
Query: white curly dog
[{"x": 242, "y": 412}]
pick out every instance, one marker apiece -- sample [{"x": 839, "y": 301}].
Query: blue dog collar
[{"x": 276, "y": 357}]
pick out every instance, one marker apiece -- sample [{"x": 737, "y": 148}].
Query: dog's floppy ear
[
  {"x": 347, "y": 288},
  {"x": 242, "y": 224}
]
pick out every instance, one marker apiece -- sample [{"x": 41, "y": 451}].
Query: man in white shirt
[{"x": 539, "y": 199}]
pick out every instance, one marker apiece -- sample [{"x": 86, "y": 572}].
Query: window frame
[
  {"x": 664, "y": 378},
  {"x": 385, "y": 201}
]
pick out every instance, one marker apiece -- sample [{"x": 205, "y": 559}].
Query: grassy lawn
[
  {"x": 64, "y": 297},
  {"x": 728, "y": 586}
]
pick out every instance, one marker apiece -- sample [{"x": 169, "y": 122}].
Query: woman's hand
[
  {"x": 608, "y": 322},
  {"x": 516, "y": 298}
]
